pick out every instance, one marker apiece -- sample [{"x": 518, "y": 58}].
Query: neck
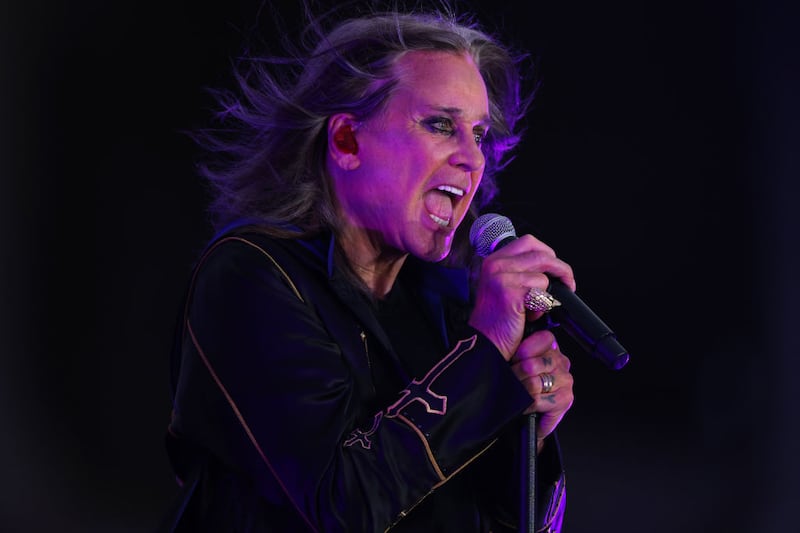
[{"x": 376, "y": 266}]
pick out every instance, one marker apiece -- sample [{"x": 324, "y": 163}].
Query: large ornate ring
[
  {"x": 547, "y": 382},
  {"x": 540, "y": 300}
]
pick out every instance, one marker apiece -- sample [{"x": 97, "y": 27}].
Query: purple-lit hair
[{"x": 272, "y": 144}]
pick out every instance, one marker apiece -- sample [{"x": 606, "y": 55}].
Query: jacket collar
[
  {"x": 450, "y": 283},
  {"x": 438, "y": 284}
]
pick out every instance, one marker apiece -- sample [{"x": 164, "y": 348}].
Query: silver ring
[
  {"x": 540, "y": 300},
  {"x": 547, "y": 382}
]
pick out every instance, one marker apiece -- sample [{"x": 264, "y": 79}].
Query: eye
[
  {"x": 440, "y": 125},
  {"x": 480, "y": 135}
]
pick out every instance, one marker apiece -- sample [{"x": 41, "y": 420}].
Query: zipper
[{"x": 369, "y": 361}]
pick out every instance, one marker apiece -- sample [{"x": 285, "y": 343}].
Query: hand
[
  {"x": 505, "y": 278},
  {"x": 539, "y": 354}
]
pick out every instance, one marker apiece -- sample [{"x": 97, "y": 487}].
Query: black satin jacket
[{"x": 292, "y": 412}]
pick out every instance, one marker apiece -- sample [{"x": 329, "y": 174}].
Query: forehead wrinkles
[
  {"x": 429, "y": 76},
  {"x": 411, "y": 73}
]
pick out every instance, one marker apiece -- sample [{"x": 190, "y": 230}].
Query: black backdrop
[{"x": 660, "y": 162}]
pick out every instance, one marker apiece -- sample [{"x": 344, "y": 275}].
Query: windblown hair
[{"x": 270, "y": 151}]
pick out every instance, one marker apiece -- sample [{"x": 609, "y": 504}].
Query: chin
[{"x": 438, "y": 251}]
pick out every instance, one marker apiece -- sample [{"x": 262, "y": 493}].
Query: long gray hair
[{"x": 269, "y": 153}]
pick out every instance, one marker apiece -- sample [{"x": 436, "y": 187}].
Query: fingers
[
  {"x": 523, "y": 265},
  {"x": 506, "y": 277},
  {"x": 553, "y": 405},
  {"x": 539, "y": 354},
  {"x": 544, "y": 371},
  {"x": 530, "y": 259},
  {"x": 560, "y": 388}
]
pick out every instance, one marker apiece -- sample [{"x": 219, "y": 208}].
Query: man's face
[{"x": 420, "y": 160}]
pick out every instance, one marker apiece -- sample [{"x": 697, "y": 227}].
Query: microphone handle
[
  {"x": 579, "y": 321},
  {"x": 585, "y": 327}
]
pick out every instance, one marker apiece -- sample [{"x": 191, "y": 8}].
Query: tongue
[{"x": 439, "y": 204}]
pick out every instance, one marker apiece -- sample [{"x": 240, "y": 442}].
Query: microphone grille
[{"x": 488, "y": 230}]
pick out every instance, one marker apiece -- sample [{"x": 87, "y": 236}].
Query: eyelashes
[
  {"x": 441, "y": 125},
  {"x": 445, "y": 126}
]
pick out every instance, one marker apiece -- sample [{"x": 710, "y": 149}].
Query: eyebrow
[{"x": 485, "y": 120}]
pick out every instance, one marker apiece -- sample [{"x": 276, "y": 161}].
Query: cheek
[
  {"x": 477, "y": 177},
  {"x": 476, "y": 183}
]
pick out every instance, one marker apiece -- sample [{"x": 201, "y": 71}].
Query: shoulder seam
[{"x": 268, "y": 256}]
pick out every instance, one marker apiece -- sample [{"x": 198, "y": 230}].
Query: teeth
[
  {"x": 452, "y": 190},
  {"x": 442, "y": 222}
]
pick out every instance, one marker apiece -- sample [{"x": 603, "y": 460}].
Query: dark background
[{"x": 661, "y": 162}]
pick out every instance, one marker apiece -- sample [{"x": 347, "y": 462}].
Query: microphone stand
[
  {"x": 528, "y": 450},
  {"x": 528, "y": 486},
  {"x": 607, "y": 349}
]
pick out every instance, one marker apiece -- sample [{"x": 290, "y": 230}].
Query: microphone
[{"x": 491, "y": 232}]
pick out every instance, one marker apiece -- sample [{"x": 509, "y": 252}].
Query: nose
[{"x": 468, "y": 155}]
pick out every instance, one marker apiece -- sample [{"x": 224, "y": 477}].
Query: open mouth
[{"x": 440, "y": 203}]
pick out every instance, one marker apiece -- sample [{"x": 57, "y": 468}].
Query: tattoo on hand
[
  {"x": 547, "y": 361},
  {"x": 550, "y": 398}
]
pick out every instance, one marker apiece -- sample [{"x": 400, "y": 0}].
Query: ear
[{"x": 342, "y": 143}]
